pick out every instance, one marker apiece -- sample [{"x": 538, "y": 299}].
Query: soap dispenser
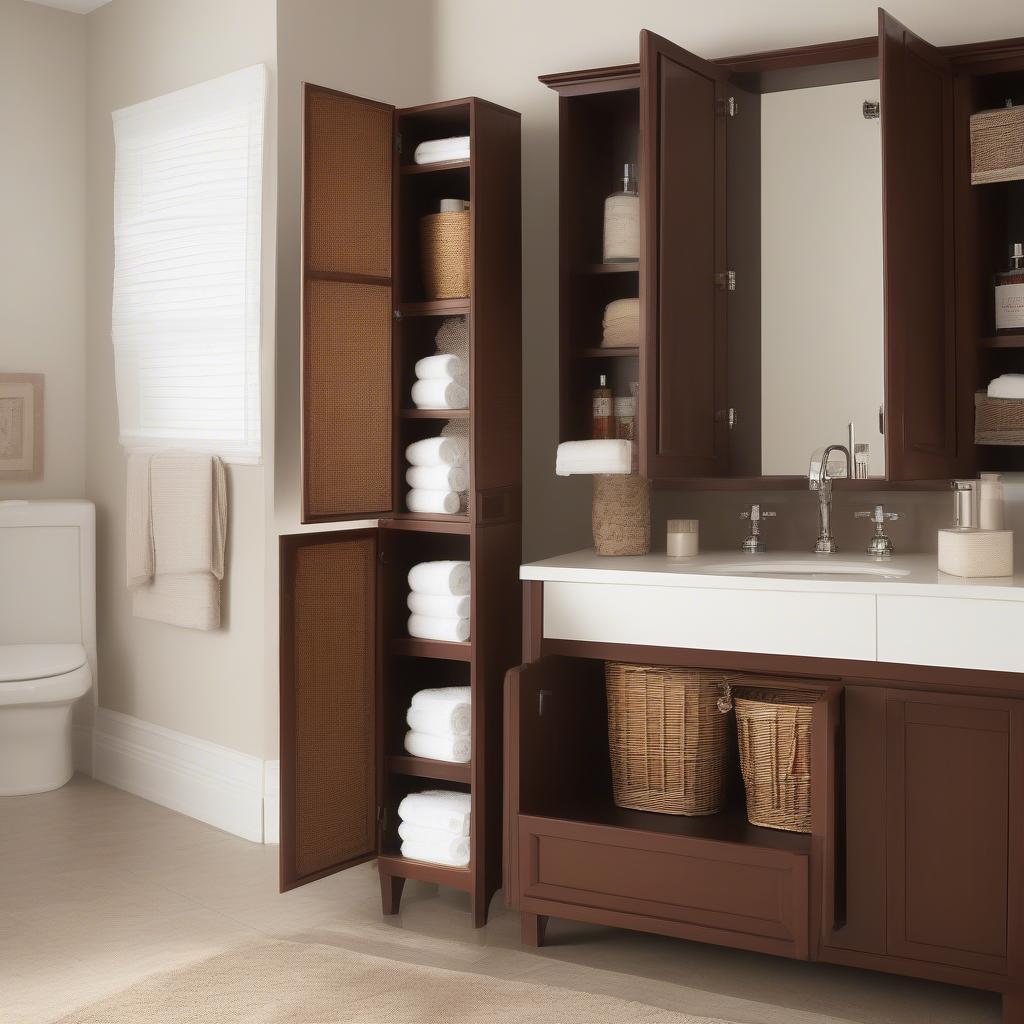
[{"x": 622, "y": 221}]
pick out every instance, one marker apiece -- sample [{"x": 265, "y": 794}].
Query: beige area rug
[{"x": 300, "y": 983}]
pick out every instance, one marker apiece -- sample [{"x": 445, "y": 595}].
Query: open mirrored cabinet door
[
  {"x": 329, "y": 704},
  {"x": 347, "y": 309}
]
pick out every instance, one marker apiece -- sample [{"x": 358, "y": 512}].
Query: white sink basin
[{"x": 823, "y": 566}]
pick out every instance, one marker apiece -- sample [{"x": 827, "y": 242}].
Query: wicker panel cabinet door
[
  {"x": 347, "y": 407},
  {"x": 329, "y": 755}
]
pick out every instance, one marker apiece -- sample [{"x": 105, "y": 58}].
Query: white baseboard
[{"x": 223, "y": 787}]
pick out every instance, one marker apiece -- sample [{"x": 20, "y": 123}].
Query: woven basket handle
[{"x": 724, "y": 698}]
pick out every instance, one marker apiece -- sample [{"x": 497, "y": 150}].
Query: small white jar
[{"x": 682, "y": 539}]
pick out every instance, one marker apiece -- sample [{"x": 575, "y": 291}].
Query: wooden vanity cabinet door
[
  {"x": 683, "y": 366},
  {"x": 347, "y": 310},
  {"x": 330, "y": 737},
  {"x": 920, "y": 336},
  {"x": 954, "y": 780}
]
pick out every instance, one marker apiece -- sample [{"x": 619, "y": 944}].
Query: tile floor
[{"x": 99, "y": 888}]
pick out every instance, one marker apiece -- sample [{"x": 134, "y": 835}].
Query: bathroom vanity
[{"x": 915, "y": 861}]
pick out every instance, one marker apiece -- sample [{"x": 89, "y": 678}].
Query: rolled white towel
[
  {"x": 439, "y": 606},
  {"x": 455, "y": 847},
  {"x": 1009, "y": 385},
  {"x": 438, "y": 808},
  {"x": 606, "y": 456},
  {"x": 438, "y": 150},
  {"x": 439, "y": 393},
  {"x": 439, "y": 451},
  {"x": 438, "y": 748},
  {"x": 441, "y": 365},
  {"x": 427, "y": 628},
  {"x": 438, "y": 478},
  {"x": 418, "y": 500},
  {"x": 443, "y": 710},
  {"x": 434, "y": 854},
  {"x": 441, "y": 577}
]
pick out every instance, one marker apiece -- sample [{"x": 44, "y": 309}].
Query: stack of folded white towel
[
  {"x": 1009, "y": 385},
  {"x": 437, "y": 151},
  {"x": 434, "y": 826},
  {"x": 611, "y": 456},
  {"x": 437, "y": 475},
  {"x": 440, "y": 723},
  {"x": 441, "y": 382},
  {"x": 439, "y": 601}
]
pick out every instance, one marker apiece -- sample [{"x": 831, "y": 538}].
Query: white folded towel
[
  {"x": 443, "y": 364},
  {"x": 438, "y": 748},
  {"x": 454, "y": 847},
  {"x": 439, "y": 393},
  {"x": 445, "y": 502},
  {"x": 442, "y": 696},
  {"x": 439, "y": 606},
  {"x": 441, "y": 577},
  {"x": 445, "y": 722},
  {"x": 438, "y": 478},
  {"x": 427, "y": 628},
  {"x": 606, "y": 456},
  {"x": 438, "y": 808},
  {"x": 439, "y": 150},
  {"x": 433, "y": 854},
  {"x": 439, "y": 451},
  {"x": 1009, "y": 385}
]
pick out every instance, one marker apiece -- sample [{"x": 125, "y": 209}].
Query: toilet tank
[{"x": 48, "y": 573}]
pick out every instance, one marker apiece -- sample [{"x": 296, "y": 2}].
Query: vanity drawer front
[
  {"x": 728, "y": 894},
  {"x": 758, "y": 622},
  {"x": 952, "y": 632}
]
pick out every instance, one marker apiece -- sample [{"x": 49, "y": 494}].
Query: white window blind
[{"x": 188, "y": 184}]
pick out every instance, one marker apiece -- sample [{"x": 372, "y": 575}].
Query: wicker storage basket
[
  {"x": 668, "y": 738},
  {"x": 444, "y": 248},
  {"x": 997, "y": 145},
  {"x": 773, "y": 728},
  {"x": 998, "y": 420},
  {"x": 621, "y": 515}
]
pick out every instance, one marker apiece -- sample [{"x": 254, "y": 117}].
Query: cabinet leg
[
  {"x": 534, "y": 926},
  {"x": 391, "y": 887},
  {"x": 1013, "y": 1008},
  {"x": 480, "y": 909}
]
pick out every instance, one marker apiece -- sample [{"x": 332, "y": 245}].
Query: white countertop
[{"x": 922, "y": 577}]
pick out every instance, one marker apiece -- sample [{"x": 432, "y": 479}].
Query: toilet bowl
[{"x": 39, "y": 683}]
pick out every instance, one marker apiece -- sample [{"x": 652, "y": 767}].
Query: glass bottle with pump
[{"x": 622, "y": 221}]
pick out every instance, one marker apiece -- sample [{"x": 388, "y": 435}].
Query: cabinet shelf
[
  {"x": 423, "y": 871},
  {"x": 437, "y": 307},
  {"x": 434, "y": 414},
  {"x": 426, "y": 768},
  {"x": 619, "y": 352},
  {"x": 430, "y": 517},
  {"x": 446, "y": 650},
  {"x": 610, "y": 268},
  {"x": 453, "y": 524},
  {"x": 447, "y": 165},
  {"x": 1011, "y": 340}
]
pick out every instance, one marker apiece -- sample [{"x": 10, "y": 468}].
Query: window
[{"x": 188, "y": 183}]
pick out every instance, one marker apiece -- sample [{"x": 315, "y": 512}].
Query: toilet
[{"x": 47, "y": 638}]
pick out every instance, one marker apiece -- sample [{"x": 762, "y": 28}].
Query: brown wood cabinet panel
[
  {"x": 948, "y": 799},
  {"x": 329, "y": 703},
  {"x": 683, "y": 248},
  {"x": 920, "y": 336}
]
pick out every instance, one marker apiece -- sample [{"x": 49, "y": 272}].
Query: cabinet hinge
[
  {"x": 728, "y": 106},
  {"x": 541, "y": 694},
  {"x": 726, "y": 280},
  {"x": 881, "y": 420},
  {"x": 727, "y": 416}
]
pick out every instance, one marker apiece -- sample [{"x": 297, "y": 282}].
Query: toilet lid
[{"x": 38, "y": 661}]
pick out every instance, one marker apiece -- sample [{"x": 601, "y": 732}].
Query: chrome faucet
[{"x": 822, "y": 483}]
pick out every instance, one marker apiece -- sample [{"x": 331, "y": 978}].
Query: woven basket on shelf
[
  {"x": 621, "y": 514},
  {"x": 444, "y": 249},
  {"x": 998, "y": 420},
  {"x": 997, "y": 145},
  {"x": 668, "y": 738},
  {"x": 773, "y": 728}
]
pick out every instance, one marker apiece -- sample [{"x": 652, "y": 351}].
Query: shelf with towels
[
  {"x": 436, "y": 307},
  {"x": 427, "y": 768},
  {"x": 412, "y": 647},
  {"x": 611, "y": 352},
  {"x": 423, "y": 871},
  {"x": 434, "y": 414},
  {"x": 446, "y": 165},
  {"x": 610, "y": 268}
]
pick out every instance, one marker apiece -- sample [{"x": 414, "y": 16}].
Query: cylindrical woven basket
[
  {"x": 668, "y": 738},
  {"x": 998, "y": 420},
  {"x": 444, "y": 248},
  {"x": 773, "y": 729},
  {"x": 621, "y": 514},
  {"x": 997, "y": 145}
]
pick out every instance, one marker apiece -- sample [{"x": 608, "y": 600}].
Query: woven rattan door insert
[
  {"x": 347, "y": 411},
  {"x": 328, "y": 703}
]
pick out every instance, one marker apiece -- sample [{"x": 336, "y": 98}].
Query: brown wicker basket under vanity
[
  {"x": 998, "y": 420},
  {"x": 444, "y": 241},
  {"x": 773, "y": 728},
  {"x": 668, "y": 738}
]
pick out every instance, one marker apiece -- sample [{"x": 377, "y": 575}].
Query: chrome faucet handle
[
  {"x": 754, "y": 544},
  {"x": 880, "y": 545}
]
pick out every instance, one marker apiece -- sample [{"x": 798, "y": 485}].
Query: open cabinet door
[
  {"x": 329, "y": 703},
  {"x": 347, "y": 418},
  {"x": 917, "y": 175},
  {"x": 683, "y": 285}
]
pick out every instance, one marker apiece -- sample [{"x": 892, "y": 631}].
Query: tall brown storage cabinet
[{"x": 348, "y": 666}]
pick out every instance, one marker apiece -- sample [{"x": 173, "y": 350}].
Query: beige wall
[
  {"x": 42, "y": 229},
  {"x": 217, "y": 686}
]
